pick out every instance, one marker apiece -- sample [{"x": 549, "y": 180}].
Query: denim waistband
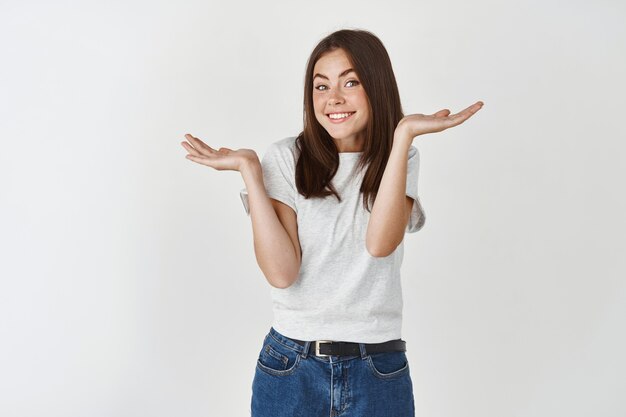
[
  {"x": 303, "y": 350},
  {"x": 304, "y": 346}
]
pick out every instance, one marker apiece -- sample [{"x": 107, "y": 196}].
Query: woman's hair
[{"x": 319, "y": 159}]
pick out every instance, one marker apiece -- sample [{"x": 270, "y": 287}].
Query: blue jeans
[{"x": 288, "y": 382}]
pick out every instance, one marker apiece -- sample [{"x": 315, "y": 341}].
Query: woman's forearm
[
  {"x": 388, "y": 219},
  {"x": 273, "y": 248}
]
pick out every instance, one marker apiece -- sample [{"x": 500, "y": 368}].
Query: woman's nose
[{"x": 335, "y": 99}]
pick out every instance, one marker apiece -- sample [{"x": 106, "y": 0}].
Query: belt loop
[
  {"x": 363, "y": 351},
  {"x": 305, "y": 352}
]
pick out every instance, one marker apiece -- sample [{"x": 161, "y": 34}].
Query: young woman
[{"x": 329, "y": 211}]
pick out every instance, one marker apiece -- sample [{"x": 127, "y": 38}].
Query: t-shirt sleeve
[
  {"x": 417, "y": 219},
  {"x": 278, "y": 167}
]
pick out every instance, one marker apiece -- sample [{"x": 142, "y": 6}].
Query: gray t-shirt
[{"x": 342, "y": 292}]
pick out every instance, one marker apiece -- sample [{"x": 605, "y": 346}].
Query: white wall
[{"x": 129, "y": 285}]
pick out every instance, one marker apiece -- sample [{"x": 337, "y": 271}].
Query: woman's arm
[
  {"x": 274, "y": 225},
  {"x": 392, "y": 207},
  {"x": 274, "y": 230}
]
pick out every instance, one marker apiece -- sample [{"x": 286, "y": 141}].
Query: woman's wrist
[
  {"x": 250, "y": 164},
  {"x": 402, "y": 138},
  {"x": 251, "y": 170}
]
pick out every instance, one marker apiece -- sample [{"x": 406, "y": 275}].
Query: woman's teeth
[{"x": 339, "y": 115}]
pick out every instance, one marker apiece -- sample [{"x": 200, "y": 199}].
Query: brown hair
[{"x": 318, "y": 155}]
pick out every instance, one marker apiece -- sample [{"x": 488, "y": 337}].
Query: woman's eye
[{"x": 322, "y": 85}]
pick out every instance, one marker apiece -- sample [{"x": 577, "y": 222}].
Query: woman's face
[{"x": 338, "y": 90}]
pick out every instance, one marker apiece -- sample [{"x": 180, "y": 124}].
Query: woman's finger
[
  {"x": 224, "y": 151},
  {"x": 198, "y": 144},
  {"x": 204, "y": 160},
  {"x": 190, "y": 149},
  {"x": 442, "y": 113},
  {"x": 465, "y": 114},
  {"x": 195, "y": 145}
]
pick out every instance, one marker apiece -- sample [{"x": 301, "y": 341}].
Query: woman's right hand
[{"x": 221, "y": 159}]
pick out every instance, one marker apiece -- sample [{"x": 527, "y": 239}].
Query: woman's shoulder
[
  {"x": 284, "y": 148},
  {"x": 287, "y": 143}
]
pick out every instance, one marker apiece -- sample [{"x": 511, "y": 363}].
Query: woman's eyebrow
[{"x": 340, "y": 75}]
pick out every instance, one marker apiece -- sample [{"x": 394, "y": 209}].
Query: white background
[{"x": 129, "y": 285}]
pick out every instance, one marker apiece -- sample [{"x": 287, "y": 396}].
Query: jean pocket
[
  {"x": 276, "y": 358},
  {"x": 387, "y": 365}
]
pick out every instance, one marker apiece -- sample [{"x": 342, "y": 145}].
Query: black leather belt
[{"x": 329, "y": 347}]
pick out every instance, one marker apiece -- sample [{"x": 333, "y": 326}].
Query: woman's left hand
[{"x": 419, "y": 124}]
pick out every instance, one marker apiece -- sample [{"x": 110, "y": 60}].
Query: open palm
[
  {"x": 221, "y": 159},
  {"x": 419, "y": 124}
]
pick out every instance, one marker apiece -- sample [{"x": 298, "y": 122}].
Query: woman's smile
[{"x": 339, "y": 117}]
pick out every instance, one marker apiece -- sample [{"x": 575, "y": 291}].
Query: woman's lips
[{"x": 340, "y": 120}]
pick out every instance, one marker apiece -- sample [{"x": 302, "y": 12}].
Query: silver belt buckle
[{"x": 317, "y": 347}]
